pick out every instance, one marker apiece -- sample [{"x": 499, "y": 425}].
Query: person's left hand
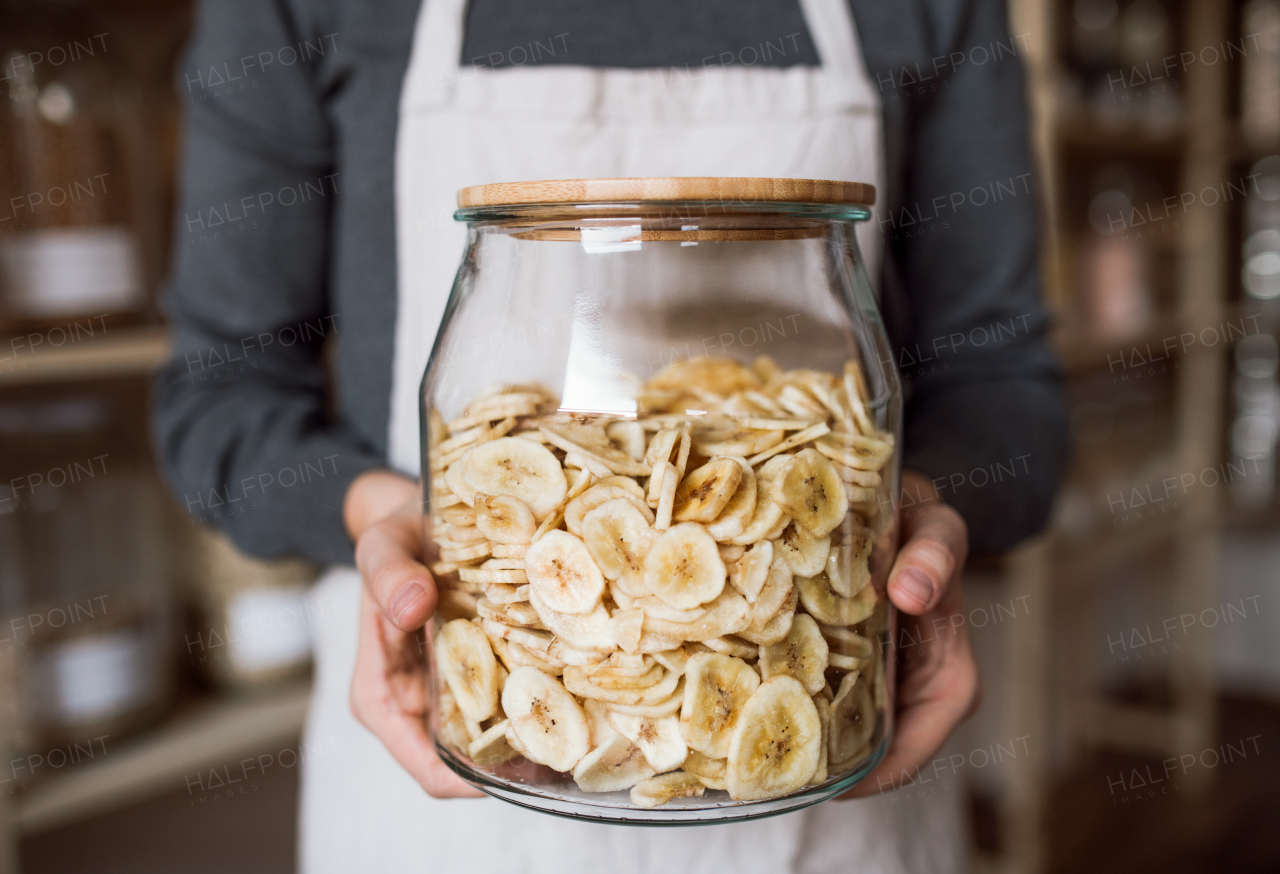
[
  {"x": 383, "y": 514},
  {"x": 938, "y": 685}
]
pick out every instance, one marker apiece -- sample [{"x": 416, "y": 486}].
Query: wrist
[{"x": 373, "y": 496}]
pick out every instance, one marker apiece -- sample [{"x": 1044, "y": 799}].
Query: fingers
[
  {"x": 374, "y": 495},
  {"x": 388, "y": 698},
  {"x": 935, "y": 549},
  {"x": 387, "y": 555},
  {"x": 924, "y": 723}
]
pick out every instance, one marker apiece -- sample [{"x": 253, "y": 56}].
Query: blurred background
[{"x": 1131, "y": 654}]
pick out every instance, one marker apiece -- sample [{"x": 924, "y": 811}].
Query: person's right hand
[{"x": 383, "y": 514}]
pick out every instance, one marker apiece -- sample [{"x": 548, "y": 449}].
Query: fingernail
[
  {"x": 916, "y": 583},
  {"x": 406, "y": 602}
]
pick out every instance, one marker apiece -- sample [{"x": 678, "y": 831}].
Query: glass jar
[
  {"x": 68, "y": 245},
  {"x": 660, "y": 427}
]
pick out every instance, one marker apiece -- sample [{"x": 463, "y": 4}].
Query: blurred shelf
[
  {"x": 1079, "y": 560},
  {"x": 134, "y": 351},
  {"x": 210, "y": 735},
  {"x": 1133, "y": 140},
  {"x": 1081, "y": 351}
]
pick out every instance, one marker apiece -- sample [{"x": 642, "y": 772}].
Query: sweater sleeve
[
  {"x": 985, "y": 414},
  {"x": 241, "y": 414}
]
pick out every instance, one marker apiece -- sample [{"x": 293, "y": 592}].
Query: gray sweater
[{"x": 282, "y": 295}]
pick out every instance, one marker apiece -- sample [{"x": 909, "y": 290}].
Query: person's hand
[
  {"x": 939, "y": 686},
  {"x": 383, "y": 514}
]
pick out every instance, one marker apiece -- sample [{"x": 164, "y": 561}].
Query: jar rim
[
  {"x": 671, "y": 189},
  {"x": 527, "y": 215}
]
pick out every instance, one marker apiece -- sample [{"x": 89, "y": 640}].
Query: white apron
[{"x": 459, "y": 127}]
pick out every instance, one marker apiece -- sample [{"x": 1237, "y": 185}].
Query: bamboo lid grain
[{"x": 669, "y": 188}]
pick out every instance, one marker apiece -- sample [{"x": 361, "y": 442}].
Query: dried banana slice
[
  {"x": 774, "y": 593},
  {"x": 550, "y": 725},
  {"x": 488, "y": 576},
  {"x": 824, "y": 716},
  {"x": 657, "y": 791},
  {"x": 735, "y": 441},
  {"x": 580, "y": 683},
  {"x": 723, "y": 376},
  {"x": 853, "y": 720},
  {"x": 519, "y": 613},
  {"x": 660, "y": 449},
  {"x": 808, "y": 490},
  {"x": 829, "y": 608},
  {"x": 451, "y": 724},
  {"x": 848, "y": 564},
  {"x": 491, "y": 748},
  {"x": 508, "y": 550},
  {"x": 801, "y": 654},
  {"x": 805, "y": 553},
  {"x": 797, "y": 439},
  {"x": 683, "y": 567},
  {"x": 460, "y": 534},
  {"x": 594, "y": 497},
  {"x": 767, "y": 515},
  {"x": 580, "y": 631},
  {"x": 606, "y": 679},
  {"x": 504, "y": 518},
  {"x": 749, "y": 573},
  {"x": 712, "y": 772},
  {"x": 627, "y": 627},
  {"x": 774, "y": 628},
  {"x": 732, "y": 645},
  {"x": 619, "y": 537},
  {"x": 705, "y": 492},
  {"x": 562, "y": 573},
  {"x": 654, "y": 607},
  {"x": 537, "y": 640},
  {"x": 468, "y": 665},
  {"x": 848, "y": 642},
  {"x": 519, "y": 468},
  {"x": 667, "y": 706},
  {"x": 454, "y": 478},
  {"x": 775, "y": 745},
  {"x": 598, "y": 722},
  {"x": 717, "y": 687},
  {"x": 563, "y": 654},
  {"x": 615, "y": 765},
  {"x": 461, "y": 515},
  {"x": 566, "y": 437},
  {"x": 629, "y": 435},
  {"x": 729, "y": 552},
  {"x": 464, "y": 553},
  {"x": 674, "y": 660},
  {"x": 623, "y": 664},
  {"x": 658, "y": 737},
  {"x": 515, "y": 655},
  {"x": 623, "y": 482},
  {"x": 733, "y": 519},
  {"x": 727, "y": 614},
  {"x": 854, "y": 450}
]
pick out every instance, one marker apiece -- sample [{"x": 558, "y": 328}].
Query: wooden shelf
[
  {"x": 214, "y": 734},
  {"x": 118, "y": 352},
  {"x": 1133, "y": 140},
  {"x": 1081, "y": 351}
]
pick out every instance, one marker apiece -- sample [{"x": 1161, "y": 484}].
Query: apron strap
[{"x": 434, "y": 64}]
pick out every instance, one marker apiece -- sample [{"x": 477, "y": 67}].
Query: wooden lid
[{"x": 701, "y": 188}]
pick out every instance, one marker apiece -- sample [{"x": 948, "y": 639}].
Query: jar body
[{"x": 660, "y": 466}]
